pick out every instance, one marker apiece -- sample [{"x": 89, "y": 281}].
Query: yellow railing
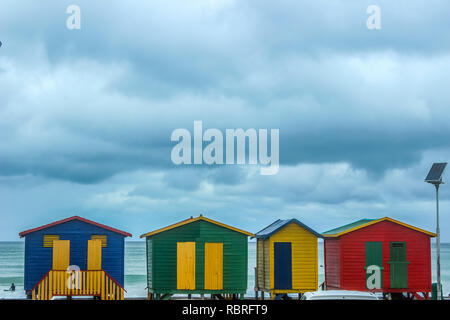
[{"x": 77, "y": 283}]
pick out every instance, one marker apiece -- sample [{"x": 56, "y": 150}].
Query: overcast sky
[{"x": 86, "y": 115}]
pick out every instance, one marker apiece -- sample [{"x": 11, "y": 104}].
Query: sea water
[{"x": 12, "y": 261}]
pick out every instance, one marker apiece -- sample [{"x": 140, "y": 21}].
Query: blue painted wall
[{"x": 38, "y": 260}]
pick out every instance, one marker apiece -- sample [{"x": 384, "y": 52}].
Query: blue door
[{"x": 282, "y": 265}]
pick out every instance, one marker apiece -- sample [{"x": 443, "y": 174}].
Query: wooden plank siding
[
  {"x": 213, "y": 265},
  {"x": 304, "y": 257},
  {"x": 185, "y": 265},
  {"x": 263, "y": 263},
  {"x": 352, "y": 256},
  {"x": 38, "y": 259},
  {"x": 267, "y": 268},
  {"x": 94, "y": 260},
  {"x": 260, "y": 272},
  {"x": 149, "y": 247},
  {"x": 332, "y": 263},
  {"x": 162, "y": 260},
  {"x": 61, "y": 254}
]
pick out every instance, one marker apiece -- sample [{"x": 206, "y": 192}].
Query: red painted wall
[
  {"x": 352, "y": 256},
  {"x": 332, "y": 263}
]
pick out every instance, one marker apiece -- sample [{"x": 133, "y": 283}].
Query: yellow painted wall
[
  {"x": 102, "y": 237},
  {"x": 186, "y": 265},
  {"x": 48, "y": 240},
  {"x": 213, "y": 266},
  {"x": 94, "y": 261},
  {"x": 61, "y": 254},
  {"x": 304, "y": 257}
]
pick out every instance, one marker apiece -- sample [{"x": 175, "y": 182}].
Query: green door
[
  {"x": 374, "y": 256},
  {"x": 399, "y": 265}
]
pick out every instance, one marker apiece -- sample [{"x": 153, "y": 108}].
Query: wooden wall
[
  {"x": 162, "y": 257},
  {"x": 353, "y": 255},
  {"x": 304, "y": 257},
  {"x": 38, "y": 260}
]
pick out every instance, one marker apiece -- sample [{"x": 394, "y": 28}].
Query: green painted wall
[
  {"x": 149, "y": 262},
  {"x": 162, "y": 257}
]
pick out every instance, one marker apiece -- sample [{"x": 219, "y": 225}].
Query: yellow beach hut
[{"x": 286, "y": 259}]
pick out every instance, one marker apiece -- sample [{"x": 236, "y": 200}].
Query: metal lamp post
[{"x": 435, "y": 177}]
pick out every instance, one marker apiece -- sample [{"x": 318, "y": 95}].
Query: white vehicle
[{"x": 339, "y": 295}]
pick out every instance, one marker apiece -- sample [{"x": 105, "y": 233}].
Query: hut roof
[
  {"x": 279, "y": 224},
  {"x": 190, "y": 220},
  {"x": 24, "y": 233},
  {"x": 368, "y": 222}
]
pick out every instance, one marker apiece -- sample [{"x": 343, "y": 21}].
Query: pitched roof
[
  {"x": 368, "y": 222},
  {"x": 279, "y": 224},
  {"x": 348, "y": 226},
  {"x": 24, "y": 233},
  {"x": 190, "y": 220}
]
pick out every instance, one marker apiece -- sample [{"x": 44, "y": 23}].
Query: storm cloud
[{"x": 86, "y": 115}]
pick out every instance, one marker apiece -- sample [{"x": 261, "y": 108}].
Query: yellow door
[
  {"x": 61, "y": 254},
  {"x": 186, "y": 265},
  {"x": 94, "y": 260},
  {"x": 213, "y": 266}
]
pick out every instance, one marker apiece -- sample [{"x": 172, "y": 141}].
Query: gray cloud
[{"x": 89, "y": 113}]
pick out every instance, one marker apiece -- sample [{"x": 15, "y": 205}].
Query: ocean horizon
[{"x": 12, "y": 264}]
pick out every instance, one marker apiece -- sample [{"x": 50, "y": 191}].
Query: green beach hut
[{"x": 197, "y": 256}]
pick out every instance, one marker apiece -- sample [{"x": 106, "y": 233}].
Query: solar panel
[{"x": 436, "y": 171}]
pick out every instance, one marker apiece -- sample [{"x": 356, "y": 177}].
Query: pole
[{"x": 438, "y": 246}]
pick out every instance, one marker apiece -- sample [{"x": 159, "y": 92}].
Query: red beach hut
[{"x": 379, "y": 255}]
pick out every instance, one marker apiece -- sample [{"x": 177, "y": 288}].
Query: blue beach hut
[{"x": 74, "y": 257}]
